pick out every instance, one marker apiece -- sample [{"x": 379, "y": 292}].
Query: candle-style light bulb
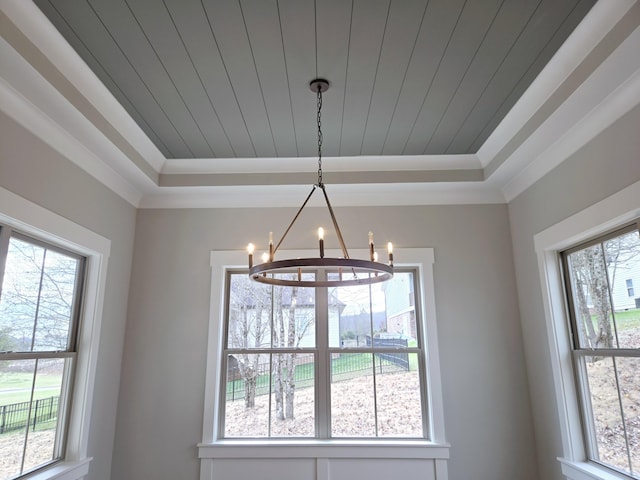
[
  {"x": 271, "y": 246},
  {"x": 250, "y": 248},
  {"x": 371, "y": 247},
  {"x": 321, "y": 241},
  {"x": 390, "y": 249},
  {"x": 375, "y": 256}
]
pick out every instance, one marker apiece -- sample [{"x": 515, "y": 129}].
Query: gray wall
[
  {"x": 34, "y": 171},
  {"x": 604, "y": 166},
  {"x": 486, "y": 397}
]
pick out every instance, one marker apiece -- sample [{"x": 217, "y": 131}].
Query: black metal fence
[
  {"x": 344, "y": 366},
  {"x": 400, "y": 359},
  {"x": 16, "y": 415}
]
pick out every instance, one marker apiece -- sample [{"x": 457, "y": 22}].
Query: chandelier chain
[
  {"x": 319, "y": 119},
  {"x": 365, "y": 272}
]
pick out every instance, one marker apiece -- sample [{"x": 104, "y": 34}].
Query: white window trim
[
  {"x": 213, "y": 447},
  {"x": 32, "y": 219},
  {"x": 614, "y": 211}
]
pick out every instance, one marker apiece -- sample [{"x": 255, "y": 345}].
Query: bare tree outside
[
  {"x": 38, "y": 290},
  {"x": 292, "y": 325},
  {"x": 594, "y": 272},
  {"x": 249, "y": 328}
]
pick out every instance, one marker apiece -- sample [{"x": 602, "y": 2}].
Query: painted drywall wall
[
  {"x": 602, "y": 167},
  {"x": 34, "y": 171},
  {"x": 486, "y": 399}
]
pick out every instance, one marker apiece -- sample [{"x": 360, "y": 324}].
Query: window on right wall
[{"x": 605, "y": 328}]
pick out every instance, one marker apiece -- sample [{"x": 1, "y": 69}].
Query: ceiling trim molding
[
  {"x": 302, "y": 178},
  {"x": 558, "y": 79},
  {"x": 364, "y": 163},
  {"x": 50, "y": 132},
  {"x": 341, "y": 196},
  {"x": 617, "y": 104},
  {"x": 46, "y": 87},
  {"x": 36, "y": 40}
]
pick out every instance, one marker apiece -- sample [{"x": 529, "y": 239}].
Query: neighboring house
[
  {"x": 626, "y": 286},
  {"x": 398, "y": 318},
  {"x": 401, "y": 309}
]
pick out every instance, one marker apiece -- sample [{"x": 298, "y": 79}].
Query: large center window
[{"x": 337, "y": 362}]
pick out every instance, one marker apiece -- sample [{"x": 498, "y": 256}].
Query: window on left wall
[{"x": 41, "y": 287}]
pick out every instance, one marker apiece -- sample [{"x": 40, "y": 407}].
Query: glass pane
[
  {"x": 380, "y": 315},
  {"x": 352, "y": 395},
  {"x": 19, "y": 300},
  {"x": 247, "y": 396},
  {"x": 43, "y": 418},
  {"x": 629, "y": 379},
  {"x": 293, "y": 399},
  {"x": 398, "y": 399},
  {"x": 37, "y": 297},
  {"x": 623, "y": 263},
  {"x": 249, "y": 323},
  {"x": 261, "y": 316},
  {"x": 56, "y": 302},
  {"x": 287, "y": 404},
  {"x": 294, "y": 315},
  {"x": 607, "y": 415},
  {"x": 355, "y": 312},
  {"x": 16, "y": 381},
  {"x": 590, "y": 292}
]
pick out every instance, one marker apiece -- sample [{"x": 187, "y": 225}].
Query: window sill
[
  {"x": 63, "y": 471},
  {"x": 324, "y": 449},
  {"x": 588, "y": 471}
]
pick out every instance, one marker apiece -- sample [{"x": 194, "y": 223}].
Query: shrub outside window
[
  {"x": 40, "y": 295},
  {"x": 322, "y": 363},
  {"x": 605, "y": 327}
]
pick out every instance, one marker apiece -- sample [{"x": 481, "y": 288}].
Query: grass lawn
[
  {"x": 625, "y": 319},
  {"x": 628, "y": 319},
  {"x": 15, "y": 387}
]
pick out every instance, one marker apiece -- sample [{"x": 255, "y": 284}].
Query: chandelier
[{"x": 344, "y": 271}]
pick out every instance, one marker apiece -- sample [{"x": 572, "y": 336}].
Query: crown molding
[{"x": 261, "y": 196}]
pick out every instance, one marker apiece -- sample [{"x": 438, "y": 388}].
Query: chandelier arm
[
  {"x": 335, "y": 223},
  {"x": 313, "y": 189}
]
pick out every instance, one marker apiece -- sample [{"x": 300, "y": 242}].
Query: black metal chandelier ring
[{"x": 363, "y": 272}]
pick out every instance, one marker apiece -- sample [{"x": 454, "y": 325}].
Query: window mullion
[
  {"x": 584, "y": 400},
  {"x": 323, "y": 362}
]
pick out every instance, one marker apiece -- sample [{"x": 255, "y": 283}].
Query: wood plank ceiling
[{"x": 229, "y": 78}]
